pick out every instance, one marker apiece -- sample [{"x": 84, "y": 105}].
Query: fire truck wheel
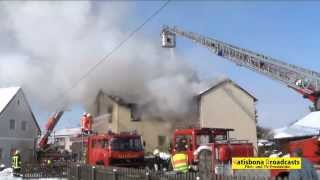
[{"x": 205, "y": 163}]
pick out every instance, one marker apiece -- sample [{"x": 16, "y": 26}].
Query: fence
[
  {"x": 74, "y": 171},
  {"x": 33, "y": 171},
  {"x": 87, "y": 172}
]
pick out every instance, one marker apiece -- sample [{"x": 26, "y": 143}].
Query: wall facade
[
  {"x": 225, "y": 106},
  {"x": 18, "y": 129},
  {"x": 229, "y": 107}
]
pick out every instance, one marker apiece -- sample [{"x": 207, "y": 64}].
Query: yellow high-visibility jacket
[
  {"x": 16, "y": 162},
  {"x": 180, "y": 162}
]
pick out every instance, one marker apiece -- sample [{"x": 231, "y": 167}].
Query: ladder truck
[
  {"x": 45, "y": 150},
  {"x": 304, "y": 81}
]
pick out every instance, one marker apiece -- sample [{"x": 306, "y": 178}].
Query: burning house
[{"x": 223, "y": 105}]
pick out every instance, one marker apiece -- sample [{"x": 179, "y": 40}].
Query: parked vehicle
[
  {"x": 200, "y": 143},
  {"x": 123, "y": 149}
]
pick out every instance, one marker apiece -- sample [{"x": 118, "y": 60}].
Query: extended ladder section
[
  {"x": 304, "y": 81},
  {"x": 52, "y": 122}
]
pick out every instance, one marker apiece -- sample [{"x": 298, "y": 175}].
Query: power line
[{"x": 104, "y": 58}]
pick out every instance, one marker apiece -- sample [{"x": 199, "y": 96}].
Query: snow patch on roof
[
  {"x": 6, "y": 94},
  {"x": 307, "y": 126},
  {"x": 312, "y": 120},
  {"x": 68, "y": 132}
]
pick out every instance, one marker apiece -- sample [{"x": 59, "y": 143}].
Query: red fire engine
[
  {"x": 124, "y": 149},
  {"x": 201, "y": 142},
  {"x": 310, "y": 148},
  {"x": 302, "y": 80}
]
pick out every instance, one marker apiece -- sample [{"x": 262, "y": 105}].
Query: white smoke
[{"x": 47, "y": 46}]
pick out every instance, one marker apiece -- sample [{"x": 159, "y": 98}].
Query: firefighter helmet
[{"x": 156, "y": 152}]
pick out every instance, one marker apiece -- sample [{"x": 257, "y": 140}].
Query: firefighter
[
  {"x": 161, "y": 160},
  {"x": 182, "y": 144},
  {"x": 16, "y": 163},
  {"x": 86, "y": 123},
  {"x": 307, "y": 171},
  {"x": 180, "y": 161}
]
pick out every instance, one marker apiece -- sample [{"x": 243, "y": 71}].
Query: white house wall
[
  {"x": 18, "y": 110},
  {"x": 229, "y": 107}
]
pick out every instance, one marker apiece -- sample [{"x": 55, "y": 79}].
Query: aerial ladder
[
  {"x": 304, "y": 81},
  {"x": 52, "y": 122}
]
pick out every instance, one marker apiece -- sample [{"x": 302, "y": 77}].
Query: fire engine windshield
[
  {"x": 126, "y": 144},
  {"x": 208, "y": 138},
  {"x": 204, "y": 139}
]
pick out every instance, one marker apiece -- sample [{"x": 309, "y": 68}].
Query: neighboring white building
[
  {"x": 18, "y": 126},
  {"x": 65, "y": 137},
  {"x": 307, "y": 126},
  {"x": 227, "y": 105}
]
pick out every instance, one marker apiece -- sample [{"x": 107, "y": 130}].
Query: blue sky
[{"x": 284, "y": 30}]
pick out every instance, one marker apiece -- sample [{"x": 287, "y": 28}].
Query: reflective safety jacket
[
  {"x": 180, "y": 162},
  {"x": 16, "y": 161}
]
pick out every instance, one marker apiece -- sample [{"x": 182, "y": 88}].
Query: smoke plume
[{"x": 47, "y": 46}]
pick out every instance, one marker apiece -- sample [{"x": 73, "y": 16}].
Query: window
[
  {"x": 100, "y": 143},
  {"x": 24, "y": 126},
  {"x": 135, "y": 113},
  {"x": 203, "y": 139},
  {"x": 110, "y": 109},
  {"x": 126, "y": 144},
  {"x": 12, "y": 124},
  {"x": 161, "y": 140},
  {"x": 18, "y": 102},
  {"x": 94, "y": 143},
  {"x": 183, "y": 141}
]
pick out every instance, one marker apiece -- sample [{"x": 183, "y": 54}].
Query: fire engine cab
[
  {"x": 123, "y": 149},
  {"x": 209, "y": 148}
]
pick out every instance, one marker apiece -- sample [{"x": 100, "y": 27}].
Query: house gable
[
  {"x": 18, "y": 109},
  {"x": 227, "y": 106},
  {"x": 6, "y": 96},
  {"x": 221, "y": 83}
]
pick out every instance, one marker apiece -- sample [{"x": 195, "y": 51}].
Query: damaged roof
[
  {"x": 116, "y": 99},
  {"x": 213, "y": 85}
]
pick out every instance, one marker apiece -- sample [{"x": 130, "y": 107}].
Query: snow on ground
[
  {"x": 264, "y": 142},
  {"x": 68, "y": 132},
  {"x": 309, "y": 125},
  {"x": 6, "y": 174}
]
